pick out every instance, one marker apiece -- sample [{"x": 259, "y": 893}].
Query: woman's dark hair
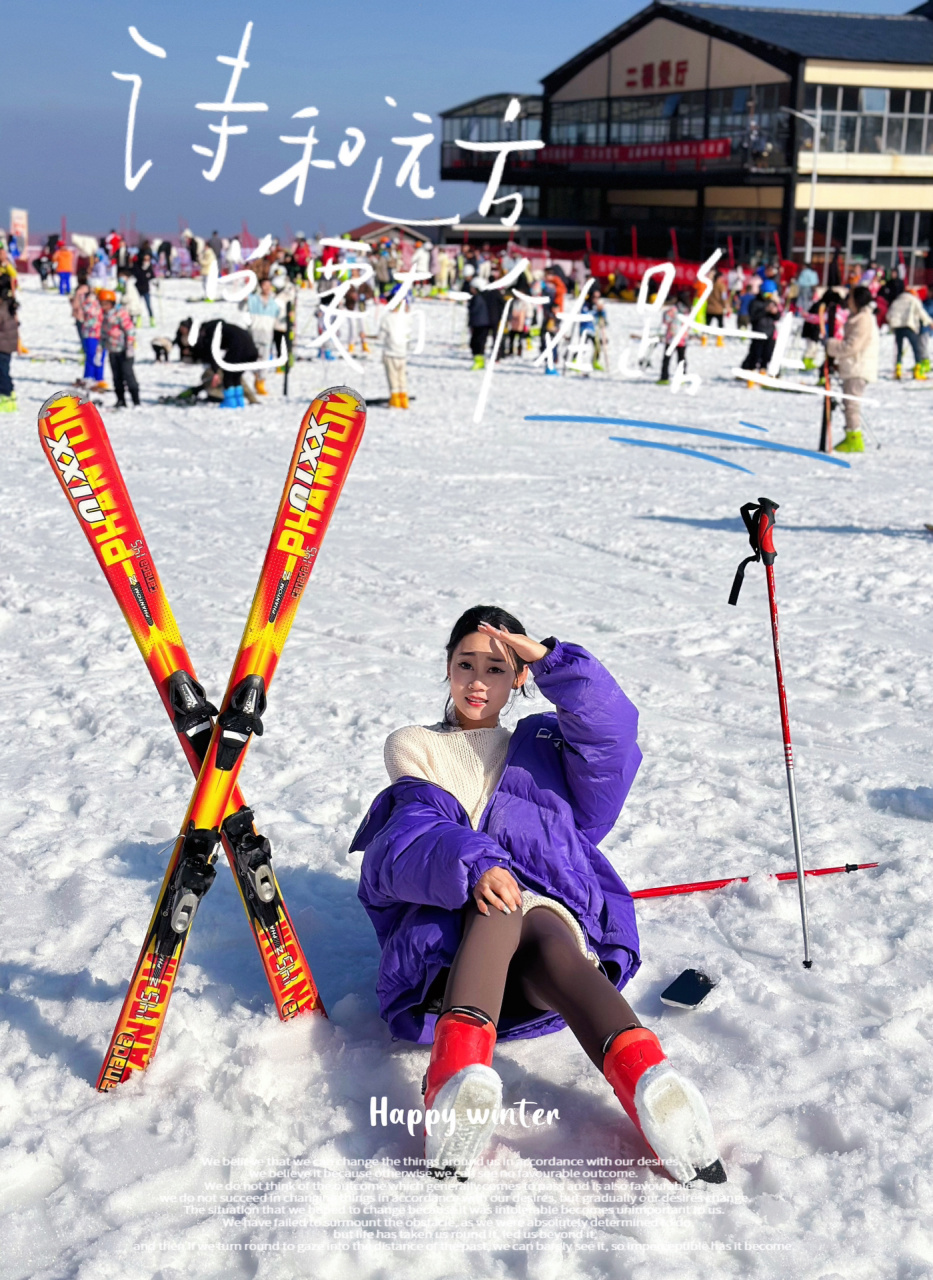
[
  {"x": 862, "y": 297},
  {"x": 469, "y": 621}
]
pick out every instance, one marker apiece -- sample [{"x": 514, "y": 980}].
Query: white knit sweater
[{"x": 467, "y": 763}]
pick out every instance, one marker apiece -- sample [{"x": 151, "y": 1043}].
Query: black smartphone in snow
[{"x": 688, "y": 990}]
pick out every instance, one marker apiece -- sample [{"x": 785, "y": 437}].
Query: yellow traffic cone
[{"x": 720, "y": 340}]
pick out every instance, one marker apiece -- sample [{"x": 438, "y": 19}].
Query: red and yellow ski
[{"x": 76, "y": 444}]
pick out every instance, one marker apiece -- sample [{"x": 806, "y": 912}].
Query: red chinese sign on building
[
  {"x": 657, "y": 75},
  {"x": 639, "y": 152}
]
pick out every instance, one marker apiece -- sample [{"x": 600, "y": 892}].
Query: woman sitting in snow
[{"x": 496, "y": 913}]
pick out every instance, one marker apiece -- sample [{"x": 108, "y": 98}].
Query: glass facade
[
  {"x": 754, "y": 118},
  {"x": 667, "y": 117},
  {"x": 579, "y": 124},
  {"x": 751, "y": 232},
  {"x": 482, "y": 121},
  {"x": 531, "y": 198},
  {"x": 891, "y": 239},
  {"x": 749, "y": 116},
  {"x": 871, "y": 121}
]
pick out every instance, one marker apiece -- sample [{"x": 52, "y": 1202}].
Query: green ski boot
[{"x": 852, "y": 443}]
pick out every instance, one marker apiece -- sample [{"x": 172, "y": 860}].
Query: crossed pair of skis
[{"x": 77, "y": 446}]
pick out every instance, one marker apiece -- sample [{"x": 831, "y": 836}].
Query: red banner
[
  {"x": 604, "y": 264},
  {"x": 638, "y": 153}
]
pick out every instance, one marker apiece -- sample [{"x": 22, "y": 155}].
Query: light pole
[{"x": 814, "y": 122}]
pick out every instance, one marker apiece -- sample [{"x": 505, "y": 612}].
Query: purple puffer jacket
[{"x": 565, "y": 780}]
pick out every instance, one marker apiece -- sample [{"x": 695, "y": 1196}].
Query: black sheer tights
[{"x": 534, "y": 958}]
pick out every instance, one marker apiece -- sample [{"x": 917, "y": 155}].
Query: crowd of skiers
[
  {"x": 838, "y": 322},
  {"x": 548, "y": 314}
]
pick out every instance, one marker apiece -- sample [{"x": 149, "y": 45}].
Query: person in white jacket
[
  {"x": 421, "y": 262},
  {"x": 131, "y": 299},
  {"x": 395, "y": 324},
  {"x": 265, "y": 310},
  {"x": 906, "y": 319},
  {"x": 856, "y": 356}
]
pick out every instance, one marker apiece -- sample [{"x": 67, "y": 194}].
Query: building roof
[
  {"x": 781, "y": 36},
  {"x": 493, "y": 104},
  {"x": 372, "y": 232},
  {"x": 848, "y": 37}
]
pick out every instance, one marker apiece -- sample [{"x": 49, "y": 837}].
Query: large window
[
  {"x": 748, "y": 115},
  {"x": 748, "y": 233},
  {"x": 752, "y": 117},
  {"x": 579, "y": 124},
  {"x": 666, "y": 117},
  {"x": 531, "y": 199},
  {"x": 887, "y": 237},
  {"x": 482, "y": 121},
  {"x": 871, "y": 121}
]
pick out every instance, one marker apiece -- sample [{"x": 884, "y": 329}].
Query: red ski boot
[
  {"x": 462, "y": 1093},
  {"x": 666, "y": 1108}
]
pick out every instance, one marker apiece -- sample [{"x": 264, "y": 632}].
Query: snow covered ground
[{"x": 820, "y": 1083}]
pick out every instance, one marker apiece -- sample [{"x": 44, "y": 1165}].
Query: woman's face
[{"x": 482, "y": 675}]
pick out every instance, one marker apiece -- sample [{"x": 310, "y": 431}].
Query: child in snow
[
  {"x": 396, "y": 326},
  {"x": 672, "y": 322},
  {"x": 118, "y": 336},
  {"x": 495, "y": 910},
  {"x": 9, "y": 343},
  {"x": 601, "y": 319},
  {"x": 91, "y": 320}
]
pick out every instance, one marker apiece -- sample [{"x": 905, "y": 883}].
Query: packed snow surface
[{"x": 247, "y": 1148}]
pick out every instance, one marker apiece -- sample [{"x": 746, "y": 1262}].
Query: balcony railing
[{"x": 687, "y": 156}]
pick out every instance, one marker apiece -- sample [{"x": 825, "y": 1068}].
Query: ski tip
[
  {"x": 77, "y": 394},
  {"x": 342, "y": 391}
]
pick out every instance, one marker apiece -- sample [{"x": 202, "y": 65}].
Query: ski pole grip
[
  {"x": 758, "y": 519},
  {"x": 766, "y": 522}
]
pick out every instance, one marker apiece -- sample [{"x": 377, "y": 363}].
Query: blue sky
[{"x": 63, "y": 115}]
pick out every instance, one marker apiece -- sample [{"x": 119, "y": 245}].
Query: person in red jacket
[{"x": 301, "y": 254}]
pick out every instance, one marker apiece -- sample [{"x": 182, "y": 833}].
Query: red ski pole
[
  {"x": 705, "y": 886},
  {"x": 759, "y": 521}
]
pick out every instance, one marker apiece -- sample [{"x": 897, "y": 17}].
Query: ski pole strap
[{"x": 759, "y": 521}]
